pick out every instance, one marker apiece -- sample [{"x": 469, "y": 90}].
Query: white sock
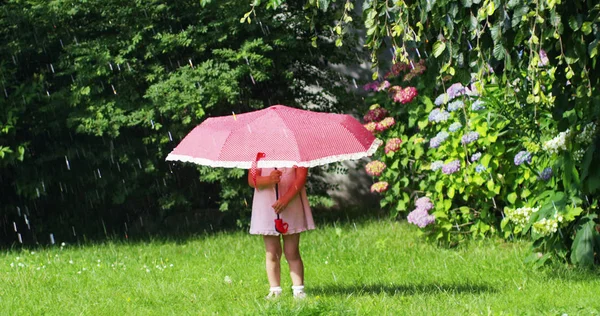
[
  {"x": 298, "y": 289},
  {"x": 276, "y": 289}
]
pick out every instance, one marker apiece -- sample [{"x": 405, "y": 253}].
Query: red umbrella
[{"x": 279, "y": 136}]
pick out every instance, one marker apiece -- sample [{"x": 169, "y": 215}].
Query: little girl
[{"x": 293, "y": 208}]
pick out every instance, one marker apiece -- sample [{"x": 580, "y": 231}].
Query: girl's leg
[
  {"x": 273, "y": 249},
  {"x": 292, "y": 255}
]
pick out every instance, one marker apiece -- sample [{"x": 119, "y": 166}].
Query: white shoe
[
  {"x": 274, "y": 292},
  {"x": 299, "y": 293}
]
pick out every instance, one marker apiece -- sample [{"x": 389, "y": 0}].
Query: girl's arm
[
  {"x": 301, "y": 174},
  {"x": 266, "y": 181}
]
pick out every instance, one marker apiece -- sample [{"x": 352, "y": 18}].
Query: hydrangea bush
[{"x": 462, "y": 165}]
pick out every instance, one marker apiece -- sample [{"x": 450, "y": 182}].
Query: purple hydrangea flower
[
  {"x": 469, "y": 137},
  {"x": 546, "y": 174},
  {"x": 543, "y": 59},
  {"x": 475, "y": 156},
  {"x": 455, "y": 90},
  {"x": 420, "y": 218},
  {"x": 455, "y": 127},
  {"x": 477, "y": 105},
  {"x": 521, "y": 157},
  {"x": 455, "y": 105},
  {"x": 437, "y": 115},
  {"x": 451, "y": 167},
  {"x": 424, "y": 204},
  {"x": 436, "y": 165},
  {"x": 438, "y": 139},
  {"x": 441, "y": 99},
  {"x": 480, "y": 168}
]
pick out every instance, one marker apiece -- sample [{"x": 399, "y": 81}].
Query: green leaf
[
  {"x": 467, "y": 3},
  {"x": 451, "y": 192},
  {"x": 498, "y": 51},
  {"x": 512, "y": 198},
  {"x": 593, "y": 48},
  {"x": 438, "y": 48},
  {"x": 586, "y": 28},
  {"x": 582, "y": 250},
  {"x": 574, "y": 23}
]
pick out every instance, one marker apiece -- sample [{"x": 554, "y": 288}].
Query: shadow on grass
[{"x": 402, "y": 289}]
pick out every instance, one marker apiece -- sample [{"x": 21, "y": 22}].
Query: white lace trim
[{"x": 276, "y": 163}]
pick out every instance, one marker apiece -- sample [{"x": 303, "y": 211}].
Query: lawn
[{"x": 369, "y": 268}]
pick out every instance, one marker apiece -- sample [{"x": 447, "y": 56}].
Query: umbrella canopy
[{"x": 287, "y": 136}]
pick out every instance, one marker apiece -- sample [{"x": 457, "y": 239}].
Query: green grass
[{"x": 375, "y": 268}]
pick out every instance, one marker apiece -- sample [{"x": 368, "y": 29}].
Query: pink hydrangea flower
[
  {"x": 375, "y": 114},
  {"x": 392, "y": 145},
  {"x": 379, "y": 187},
  {"x": 406, "y": 95},
  {"x": 375, "y": 168},
  {"x": 371, "y": 127},
  {"x": 385, "y": 124}
]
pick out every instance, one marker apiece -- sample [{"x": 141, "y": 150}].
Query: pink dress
[{"x": 297, "y": 214}]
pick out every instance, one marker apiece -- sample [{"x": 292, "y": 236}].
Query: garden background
[{"x": 489, "y": 110}]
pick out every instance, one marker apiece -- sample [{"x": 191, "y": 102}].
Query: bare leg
[
  {"x": 273, "y": 260},
  {"x": 292, "y": 255}
]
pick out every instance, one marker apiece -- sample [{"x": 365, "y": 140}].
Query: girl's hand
[
  {"x": 275, "y": 176},
  {"x": 280, "y": 205}
]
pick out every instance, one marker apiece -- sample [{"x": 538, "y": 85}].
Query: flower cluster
[
  {"x": 437, "y": 115},
  {"x": 403, "y": 95},
  {"x": 521, "y": 215},
  {"x": 420, "y": 215},
  {"x": 375, "y": 114},
  {"x": 469, "y": 138},
  {"x": 397, "y": 69},
  {"x": 521, "y": 157},
  {"x": 379, "y": 187},
  {"x": 451, "y": 167},
  {"x": 441, "y": 99},
  {"x": 480, "y": 168},
  {"x": 475, "y": 156},
  {"x": 438, "y": 139},
  {"x": 545, "y": 226},
  {"x": 419, "y": 69},
  {"x": 385, "y": 124},
  {"x": 557, "y": 143},
  {"x": 546, "y": 174},
  {"x": 455, "y": 105},
  {"x": 477, "y": 105},
  {"x": 587, "y": 135},
  {"x": 436, "y": 165},
  {"x": 578, "y": 154},
  {"x": 371, "y": 126},
  {"x": 375, "y": 168},
  {"x": 371, "y": 86},
  {"x": 455, "y": 90},
  {"x": 455, "y": 127},
  {"x": 384, "y": 86},
  {"x": 392, "y": 145}
]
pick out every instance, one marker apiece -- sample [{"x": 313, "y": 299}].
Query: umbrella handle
[{"x": 277, "y": 194}]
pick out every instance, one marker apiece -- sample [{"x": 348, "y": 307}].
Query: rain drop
[
  {"x": 418, "y": 52},
  {"x": 75, "y": 39},
  {"x": 113, "y": 89},
  {"x": 27, "y": 222},
  {"x": 412, "y": 65},
  {"x": 19, "y": 211},
  {"x": 99, "y": 174},
  {"x": 15, "y": 226},
  {"x": 38, "y": 192},
  {"x": 355, "y": 85},
  {"x": 170, "y": 136},
  {"x": 44, "y": 186},
  {"x": 20, "y": 238},
  {"x": 47, "y": 93},
  {"x": 52, "y": 239},
  {"x": 110, "y": 65},
  {"x": 61, "y": 44},
  {"x": 118, "y": 166},
  {"x": 52, "y": 67},
  {"x": 252, "y": 78},
  {"x": 118, "y": 67},
  {"x": 152, "y": 122},
  {"x": 73, "y": 228},
  {"x": 191, "y": 64},
  {"x": 5, "y": 92},
  {"x": 14, "y": 59},
  {"x": 139, "y": 163},
  {"x": 128, "y": 67}
]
